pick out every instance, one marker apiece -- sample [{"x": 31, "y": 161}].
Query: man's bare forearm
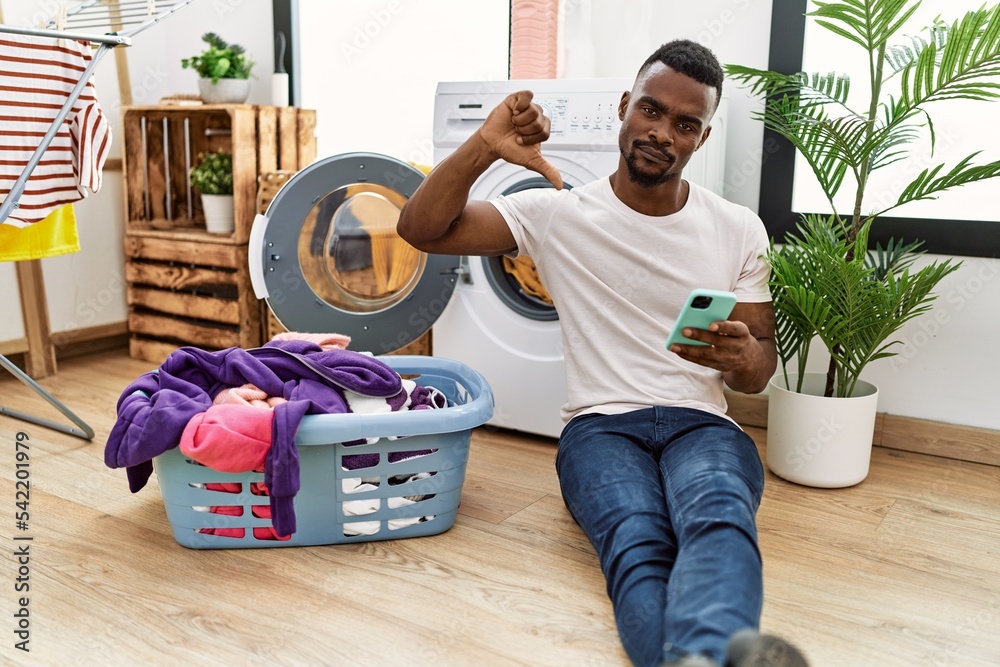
[{"x": 442, "y": 197}]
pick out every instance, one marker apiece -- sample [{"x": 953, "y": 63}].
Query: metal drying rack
[{"x": 81, "y": 23}]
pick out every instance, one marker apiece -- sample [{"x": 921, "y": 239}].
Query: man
[{"x": 664, "y": 485}]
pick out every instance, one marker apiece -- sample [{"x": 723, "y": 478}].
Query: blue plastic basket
[{"x": 323, "y": 509}]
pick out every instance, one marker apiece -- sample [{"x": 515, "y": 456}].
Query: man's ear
[
  {"x": 704, "y": 137},
  {"x": 622, "y": 106}
]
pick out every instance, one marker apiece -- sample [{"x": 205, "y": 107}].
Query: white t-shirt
[{"x": 619, "y": 279}]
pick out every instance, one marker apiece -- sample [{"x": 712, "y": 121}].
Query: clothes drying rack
[{"x": 82, "y": 23}]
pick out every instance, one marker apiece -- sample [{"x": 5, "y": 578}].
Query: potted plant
[
  {"x": 826, "y": 280},
  {"x": 224, "y": 71},
  {"x": 213, "y": 178}
]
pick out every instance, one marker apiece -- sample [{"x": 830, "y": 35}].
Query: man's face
[{"x": 664, "y": 121}]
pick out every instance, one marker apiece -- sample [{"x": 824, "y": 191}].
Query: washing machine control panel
[
  {"x": 583, "y": 113},
  {"x": 582, "y": 116}
]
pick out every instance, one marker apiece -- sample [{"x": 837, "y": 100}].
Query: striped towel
[{"x": 37, "y": 75}]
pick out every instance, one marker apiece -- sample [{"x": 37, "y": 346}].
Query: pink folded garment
[
  {"x": 327, "y": 341},
  {"x": 229, "y": 437},
  {"x": 248, "y": 394}
]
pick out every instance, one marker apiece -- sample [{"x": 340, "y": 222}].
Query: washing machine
[{"x": 495, "y": 322}]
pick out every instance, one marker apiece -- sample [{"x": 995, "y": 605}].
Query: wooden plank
[
  {"x": 185, "y": 305},
  {"x": 288, "y": 139},
  {"x": 306, "y": 137},
  {"x": 966, "y": 443},
  {"x": 179, "y": 176},
  {"x": 190, "y": 333},
  {"x": 267, "y": 139},
  {"x": 139, "y": 229},
  {"x": 40, "y": 357},
  {"x": 244, "y": 148},
  {"x": 747, "y": 409},
  {"x": 270, "y": 326},
  {"x": 62, "y": 339},
  {"x": 421, "y": 346},
  {"x": 188, "y": 252},
  {"x": 150, "y": 350},
  {"x": 248, "y": 307},
  {"x": 89, "y": 347},
  {"x": 218, "y": 132},
  {"x": 199, "y": 145},
  {"x": 176, "y": 277},
  {"x": 121, "y": 58},
  {"x": 13, "y": 346},
  {"x": 133, "y": 161},
  {"x": 156, "y": 168}
]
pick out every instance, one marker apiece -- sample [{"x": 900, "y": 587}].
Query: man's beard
[{"x": 642, "y": 178}]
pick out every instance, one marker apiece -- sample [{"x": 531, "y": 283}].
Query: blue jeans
[{"x": 668, "y": 497}]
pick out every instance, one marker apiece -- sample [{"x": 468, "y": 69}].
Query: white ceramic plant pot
[
  {"x": 224, "y": 91},
  {"x": 819, "y": 441},
  {"x": 218, "y": 213}
]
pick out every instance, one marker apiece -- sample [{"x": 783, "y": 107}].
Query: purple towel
[{"x": 154, "y": 409}]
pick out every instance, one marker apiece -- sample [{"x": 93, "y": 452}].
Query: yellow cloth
[
  {"x": 55, "y": 235},
  {"x": 524, "y": 270}
]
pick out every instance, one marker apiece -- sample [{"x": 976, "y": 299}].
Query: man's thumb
[{"x": 545, "y": 168}]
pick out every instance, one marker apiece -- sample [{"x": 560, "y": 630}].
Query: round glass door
[
  {"x": 350, "y": 254},
  {"x": 327, "y": 258}
]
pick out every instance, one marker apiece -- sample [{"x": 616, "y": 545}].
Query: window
[{"x": 964, "y": 221}]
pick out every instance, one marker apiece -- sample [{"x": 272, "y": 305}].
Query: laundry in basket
[{"x": 304, "y": 480}]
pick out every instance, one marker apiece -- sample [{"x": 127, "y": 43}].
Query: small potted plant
[
  {"x": 213, "y": 178},
  {"x": 224, "y": 70}
]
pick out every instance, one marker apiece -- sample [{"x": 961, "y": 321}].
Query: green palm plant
[{"x": 826, "y": 280}]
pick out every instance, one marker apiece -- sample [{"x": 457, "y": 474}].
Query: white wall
[
  {"x": 371, "y": 67},
  {"x": 947, "y": 366}
]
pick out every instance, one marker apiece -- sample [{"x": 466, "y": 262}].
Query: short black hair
[{"x": 690, "y": 59}]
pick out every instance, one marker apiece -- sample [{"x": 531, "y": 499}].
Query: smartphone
[{"x": 703, "y": 307}]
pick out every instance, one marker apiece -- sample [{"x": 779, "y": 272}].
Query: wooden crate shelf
[
  {"x": 183, "y": 292},
  {"x": 156, "y": 160}
]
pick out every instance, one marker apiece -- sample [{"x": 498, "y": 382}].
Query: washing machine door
[{"x": 327, "y": 258}]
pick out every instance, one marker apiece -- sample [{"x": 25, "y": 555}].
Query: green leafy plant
[
  {"x": 214, "y": 174},
  {"x": 826, "y": 281},
  {"x": 220, "y": 60}
]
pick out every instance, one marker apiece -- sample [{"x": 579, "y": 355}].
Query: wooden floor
[{"x": 903, "y": 569}]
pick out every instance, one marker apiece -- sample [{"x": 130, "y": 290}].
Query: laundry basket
[{"x": 413, "y": 488}]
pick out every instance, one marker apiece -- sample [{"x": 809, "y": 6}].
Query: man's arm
[
  {"x": 741, "y": 347},
  {"x": 439, "y": 218}
]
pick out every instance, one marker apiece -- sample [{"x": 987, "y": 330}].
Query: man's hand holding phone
[
  {"x": 701, "y": 311},
  {"x": 705, "y": 335}
]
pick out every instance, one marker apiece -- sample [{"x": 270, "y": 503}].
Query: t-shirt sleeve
[
  {"x": 528, "y": 214},
  {"x": 752, "y": 284},
  {"x": 510, "y": 217}
]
